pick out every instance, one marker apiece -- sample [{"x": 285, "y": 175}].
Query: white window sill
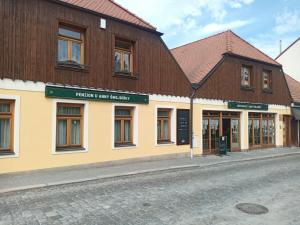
[
  {"x": 125, "y": 148},
  {"x": 164, "y": 144},
  {"x": 69, "y": 152},
  {"x": 9, "y": 156}
]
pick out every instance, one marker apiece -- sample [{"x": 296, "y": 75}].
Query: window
[
  {"x": 261, "y": 129},
  {"x": 267, "y": 80},
  {"x": 163, "y": 126},
  {"x": 6, "y": 126},
  {"x": 123, "y": 56},
  {"x": 123, "y": 126},
  {"x": 70, "y": 46},
  {"x": 69, "y": 126},
  {"x": 246, "y": 77}
]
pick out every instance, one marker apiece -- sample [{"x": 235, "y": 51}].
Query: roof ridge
[
  {"x": 228, "y": 41},
  {"x": 255, "y": 48},
  {"x": 128, "y": 11},
  {"x": 287, "y": 48},
  {"x": 220, "y": 33}
]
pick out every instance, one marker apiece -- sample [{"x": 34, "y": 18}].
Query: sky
[{"x": 263, "y": 23}]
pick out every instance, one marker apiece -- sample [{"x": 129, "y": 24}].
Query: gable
[
  {"x": 225, "y": 84},
  {"x": 198, "y": 58}
]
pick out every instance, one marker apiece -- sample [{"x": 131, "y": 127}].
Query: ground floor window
[
  {"x": 6, "y": 126},
  {"x": 261, "y": 129},
  {"x": 163, "y": 126},
  {"x": 123, "y": 126},
  {"x": 69, "y": 127},
  {"x": 216, "y": 124}
]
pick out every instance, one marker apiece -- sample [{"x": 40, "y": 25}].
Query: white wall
[{"x": 291, "y": 61}]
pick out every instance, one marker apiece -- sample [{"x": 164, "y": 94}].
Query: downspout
[
  {"x": 191, "y": 122},
  {"x": 298, "y": 133}
]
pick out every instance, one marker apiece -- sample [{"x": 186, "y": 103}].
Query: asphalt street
[{"x": 205, "y": 196}]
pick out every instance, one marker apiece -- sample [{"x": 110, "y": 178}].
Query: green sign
[
  {"x": 248, "y": 106},
  {"x": 94, "y": 95}
]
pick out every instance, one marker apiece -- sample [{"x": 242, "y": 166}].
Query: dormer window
[
  {"x": 266, "y": 80},
  {"x": 123, "y": 57},
  {"x": 70, "y": 46},
  {"x": 246, "y": 76}
]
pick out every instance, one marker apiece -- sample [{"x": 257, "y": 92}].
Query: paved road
[{"x": 191, "y": 196}]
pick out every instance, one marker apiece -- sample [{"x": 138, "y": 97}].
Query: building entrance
[{"x": 217, "y": 124}]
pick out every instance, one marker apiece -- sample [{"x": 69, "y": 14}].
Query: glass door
[
  {"x": 235, "y": 134},
  {"x": 256, "y": 129}
]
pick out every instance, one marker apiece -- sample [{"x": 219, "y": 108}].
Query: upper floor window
[
  {"x": 70, "y": 45},
  {"x": 123, "y": 56},
  {"x": 267, "y": 80},
  {"x": 246, "y": 76},
  {"x": 6, "y": 126}
]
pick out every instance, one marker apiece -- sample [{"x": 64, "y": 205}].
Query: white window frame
[
  {"x": 173, "y": 124},
  {"x": 135, "y": 127},
  {"x": 16, "y": 127},
  {"x": 85, "y": 126}
]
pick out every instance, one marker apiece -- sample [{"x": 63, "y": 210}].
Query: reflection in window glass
[
  {"x": 117, "y": 61},
  {"x": 127, "y": 62},
  {"x": 205, "y": 133},
  {"x": 250, "y": 132},
  {"x": 76, "y": 53},
  {"x": 62, "y": 50},
  {"x": 256, "y": 127},
  {"x": 69, "y": 33},
  {"x": 214, "y": 129},
  {"x": 235, "y": 129}
]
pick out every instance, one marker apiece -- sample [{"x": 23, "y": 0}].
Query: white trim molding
[
  {"x": 173, "y": 124},
  {"x": 168, "y": 98},
  {"x": 16, "y": 132},
  {"x": 135, "y": 135},
  {"x": 85, "y": 126},
  {"x": 9, "y": 84}
]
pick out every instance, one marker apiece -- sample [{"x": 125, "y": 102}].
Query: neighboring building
[
  {"x": 294, "y": 87},
  {"x": 86, "y": 82},
  {"x": 241, "y": 93},
  {"x": 289, "y": 59}
]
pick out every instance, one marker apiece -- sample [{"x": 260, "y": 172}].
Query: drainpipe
[
  {"x": 298, "y": 133},
  {"x": 191, "y": 122}
]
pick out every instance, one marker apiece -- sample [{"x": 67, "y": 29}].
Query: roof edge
[
  {"x": 251, "y": 59},
  {"x": 254, "y": 47},
  {"x": 285, "y": 50},
  {"x": 202, "y": 39},
  {"x": 154, "y": 31},
  {"x": 133, "y": 14}
]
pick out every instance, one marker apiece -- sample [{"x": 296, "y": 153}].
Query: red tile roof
[
  {"x": 198, "y": 58},
  {"x": 294, "y": 87},
  {"x": 112, "y": 9}
]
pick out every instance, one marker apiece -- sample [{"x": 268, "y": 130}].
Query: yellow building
[{"x": 85, "y": 86}]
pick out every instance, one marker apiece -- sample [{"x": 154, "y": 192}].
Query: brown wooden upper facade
[
  {"x": 265, "y": 83},
  {"x": 49, "y": 41}
]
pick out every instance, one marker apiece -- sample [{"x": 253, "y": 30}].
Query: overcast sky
[{"x": 261, "y": 22}]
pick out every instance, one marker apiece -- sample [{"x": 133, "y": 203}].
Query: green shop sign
[
  {"x": 94, "y": 95},
  {"x": 248, "y": 106}
]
